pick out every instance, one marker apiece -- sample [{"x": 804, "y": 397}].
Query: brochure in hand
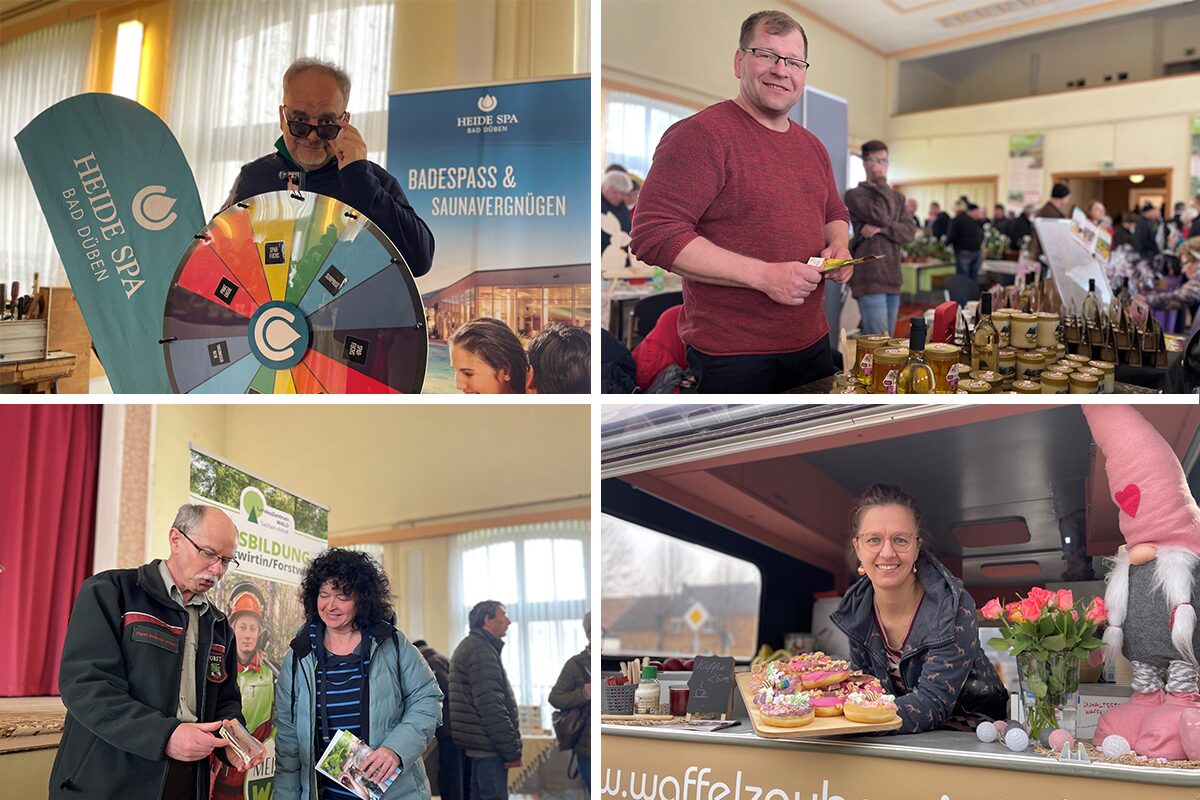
[{"x": 342, "y": 762}]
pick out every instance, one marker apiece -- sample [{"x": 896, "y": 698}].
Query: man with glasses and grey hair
[
  {"x": 320, "y": 151},
  {"x": 737, "y": 201},
  {"x": 149, "y": 672}
]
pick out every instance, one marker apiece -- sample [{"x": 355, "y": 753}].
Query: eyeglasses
[
  {"x": 767, "y": 58},
  {"x": 876, "y": 160},
  {"x": 301, "y": 130},
  {"x": 901, "y": 543},
  {"x": 212, "y": 557}
]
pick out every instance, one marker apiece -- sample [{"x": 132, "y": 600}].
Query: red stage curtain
[{"x": 47, "y": 533}]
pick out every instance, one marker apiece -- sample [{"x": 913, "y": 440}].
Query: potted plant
[{"x": 1048, "y": 635}]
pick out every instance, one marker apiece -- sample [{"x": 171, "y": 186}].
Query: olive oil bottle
[
  {"x": 917, "y": 375},
  {"x": 985, "y": 340}
]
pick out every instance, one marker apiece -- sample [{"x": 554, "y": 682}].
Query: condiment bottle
[{"x": 646, "y": 697}]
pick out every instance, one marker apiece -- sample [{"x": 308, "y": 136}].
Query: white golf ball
[
  {"x": 1016, "y": 739},
  {"x": 986, "y": 732},
  {"x": 1115, "y": 746}
]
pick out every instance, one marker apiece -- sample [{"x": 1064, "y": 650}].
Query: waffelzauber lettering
[{"x": 92, "y": 204}]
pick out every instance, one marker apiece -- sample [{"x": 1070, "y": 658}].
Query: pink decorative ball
[
  {"x": 1001, "y": 727},
  {"x": 1060, "y": 737}
]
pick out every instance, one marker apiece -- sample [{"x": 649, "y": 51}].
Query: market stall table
[
  {"x": 737, "y": 765},
  {"x": 917, "y": 278},
  {"x": 535, "y": 750},
  {"x": 825, "y": 386}
]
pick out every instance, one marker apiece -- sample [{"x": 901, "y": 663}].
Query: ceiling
[
  {"x": 903, "y": 28},
  {"x": 1027, "y": 477}
]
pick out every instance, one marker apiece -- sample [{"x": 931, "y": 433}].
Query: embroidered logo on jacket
[{"x": 216, "y": 663}]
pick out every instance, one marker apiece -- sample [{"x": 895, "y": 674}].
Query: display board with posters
[
  {"x": 278, "y": 534},
  {"x": 500, "y": 173},
  {"x": 1026, "y": 168}
]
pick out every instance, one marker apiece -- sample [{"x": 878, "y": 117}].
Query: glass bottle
[
  {"x": 985, "y": 340},
  {"x": 1091, "y": 306},
  {"x": 917, "y": 376}
]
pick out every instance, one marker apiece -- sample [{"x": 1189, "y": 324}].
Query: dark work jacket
[
  {"x": 441, "y": 671},
  {"x": 940, "y": 225},
  {"x": 119, "y": 679},
  {"x": 966, "y": 235},
  {"x": 362, "y": 185},
  {"x": 942, "y": 661},
  {"x": 483, "y": 711}
]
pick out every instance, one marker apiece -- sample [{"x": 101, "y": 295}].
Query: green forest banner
[{"x": 278, "y": 534}]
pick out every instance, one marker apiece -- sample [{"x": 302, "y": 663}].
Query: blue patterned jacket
[{"x": 942, "y": 660}]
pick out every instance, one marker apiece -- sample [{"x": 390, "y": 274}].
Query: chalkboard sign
[{"x": 711, "y": 685}]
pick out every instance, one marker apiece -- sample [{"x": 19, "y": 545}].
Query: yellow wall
[
  {"x": 448, "y": 42},
  {"x": 435, "y": 594},
  {"x": 204, "y": 426},
  {"x": 1137, "y": 126},
  {"x": 685, "y": 50}
]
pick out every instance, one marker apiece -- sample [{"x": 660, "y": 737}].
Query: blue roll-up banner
[
  {"x": 122, "y": 205},
  {"x": 501, "y": 174}
]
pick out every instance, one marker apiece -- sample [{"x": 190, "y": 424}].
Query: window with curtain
[
  {"x": 633, "y": 124},
  {"x": 541, "y": 575},
  {"x": 226, "y": 77},
  {"x": 36, "y": 71}
]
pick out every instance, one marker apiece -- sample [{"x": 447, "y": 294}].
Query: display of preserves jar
[
  {"x": 1083, "y": 383},
  {"x": 992, "y": 379},
  {"x": 886, "y": 372},
  {"x": 1047, "y": 334},
  {"x": 1002, "y": 319},
  {"x": 865, "y": 347},
  {"x": 943, "y": 359},
  {"x": 1030, "y": 364},
  {"x": 1110, "y": 370},
  {"x": 974, "y": 387},
  {"x": 1024, "y": 331},
  {"x": 1054, "y": 382},
  {"x": 1027, "y": 387}
]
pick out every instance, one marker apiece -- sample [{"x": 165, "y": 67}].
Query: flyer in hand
[
  {"x": 342, "y": 762},
  {"x": 241, "y": 742}
]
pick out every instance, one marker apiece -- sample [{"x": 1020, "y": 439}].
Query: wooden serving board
[
  {"x": 820, "y": 726},
  {"x": 627, "y": 717}
]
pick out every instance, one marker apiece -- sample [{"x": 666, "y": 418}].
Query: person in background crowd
[
  {"x": 322, "y": 152},
  {"x": 938, "y": 221},
  {"x": 966, "y": 237},
  {"x": 450, "y": 759},
  {"x": 1146, "y": 229},
  {"x": 349, "y": 668},
  {"x": 147, "y": 672},
  {"x": 1057, "y": 207},
  {"x": 910, "y": 208},
  {"x": 976, "y": 213},
  {"x": 1126, "y": 225},
  {"x": 721, "y": 208},
  {"x": 881, "y": 225},
  {"x": 573, "y": 689},
  {"x": 483, "y": 709},
  {"x": 615, "y": 186},
  {"x": 631, "y": 197},
  {"x": 1177, "y": 217},
  {"x": 1187, "y": 295},
  {"x": 1020, "y": 227},
  {"x": 560, "y": 360},
  {"x": 488, "y": 358},
  {"x": 1097, "y": 214},
  {"x": 1194, "y": 205},
  {"x": 1000, "y": 220}
]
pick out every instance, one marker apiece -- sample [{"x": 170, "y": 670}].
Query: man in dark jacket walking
[
  {"x": 483, "y": 710},
  {"x": 450, "y": 758},
  {"x": 320, "y": 151},
  {"x": 149, "y": 672},
  {"x": 966, "y": 237}
]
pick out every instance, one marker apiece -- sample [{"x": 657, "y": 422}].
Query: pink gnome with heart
[{"x": 1153, "y": 583}]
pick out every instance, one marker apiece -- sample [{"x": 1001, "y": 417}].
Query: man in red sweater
[{"x": 738, "y": 199}]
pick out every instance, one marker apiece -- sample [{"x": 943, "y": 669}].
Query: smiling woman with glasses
[{"x": 911, "y": 623}]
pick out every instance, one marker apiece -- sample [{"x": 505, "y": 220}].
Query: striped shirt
[
  {"x": 894, "y": 652},
  {"x": 339, "y": 689}
]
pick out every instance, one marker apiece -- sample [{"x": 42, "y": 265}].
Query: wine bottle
[
  {"x": 984, "y": 342},
  {"x": 1091, "y": 306},
  {"x": 917, "y": 376}
]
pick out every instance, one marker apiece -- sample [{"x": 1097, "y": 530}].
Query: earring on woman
[{"x": 861, "y": 570}]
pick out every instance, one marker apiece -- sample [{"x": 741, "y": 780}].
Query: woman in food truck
[{"x": 911, "y": 623}]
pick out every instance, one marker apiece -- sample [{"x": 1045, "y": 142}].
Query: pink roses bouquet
[{"x": 1048, "y": 635}]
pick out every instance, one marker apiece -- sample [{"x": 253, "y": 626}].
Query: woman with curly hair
[{"x": 351, "y": 669}]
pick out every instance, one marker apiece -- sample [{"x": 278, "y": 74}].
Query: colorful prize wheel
[{"x": 283, "y": 294}]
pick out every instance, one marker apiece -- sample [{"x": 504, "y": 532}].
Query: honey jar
[
  {"x": 1027, "y": 387},
  {"x": 1024, "y": 331},
  {"x": 1006, "y": 359},
  {"x": 886, "y": 371},
  {"x": 1002, "y": 319},
  {"x": 1054, "y": 382},
  {"x": 1047, "y": 331},
  {"x": 1083, "y": 383},
  {"x": 974, "y": 387},
  {"x": 864, "y": 356},
  {"x": 1030, "y": 365},
  {"x": 992, "y": 379},
  {"x": 943, "y": 359},
  {"x": 1109, "y": 369}
]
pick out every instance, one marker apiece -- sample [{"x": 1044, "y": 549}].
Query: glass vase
[{"x": 1049, "y": 690}]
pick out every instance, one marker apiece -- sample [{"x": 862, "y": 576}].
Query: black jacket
[
  {"x": 363, "y": 185},
  {"x": 966, "y": 235},
  {"x": 441, "y": 672},
  {"x": 940, "y": 225},
  {"x": 483, "y": 711},
  {"x": 119, "y": 680},
  {"x": 941, "y": 660}
]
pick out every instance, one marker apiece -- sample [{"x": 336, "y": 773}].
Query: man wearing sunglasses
[
  {"x": 738, "y": 199},
  {"x": 149, "y": 672},
  {"x": 320, "y": 151}
]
